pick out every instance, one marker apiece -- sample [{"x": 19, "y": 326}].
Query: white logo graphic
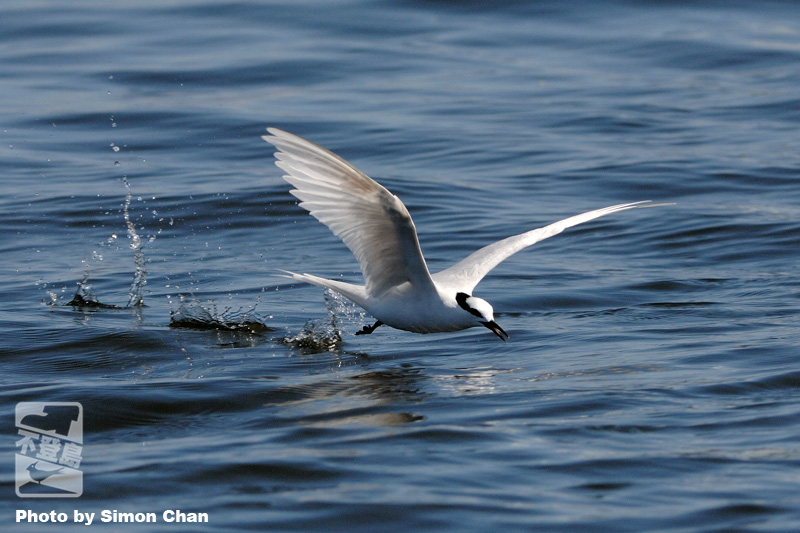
[{"x": 49, "y": 449}]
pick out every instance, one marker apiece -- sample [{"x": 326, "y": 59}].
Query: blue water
[{"x": 651, "y": 381}]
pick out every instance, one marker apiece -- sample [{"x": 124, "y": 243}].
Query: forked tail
[{"x": 356, "y": 293}]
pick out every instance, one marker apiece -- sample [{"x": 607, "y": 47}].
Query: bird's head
[{"x": 482, "y": 311}]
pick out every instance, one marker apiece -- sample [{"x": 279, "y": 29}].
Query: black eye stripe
[{"x": 461, "y": 299}]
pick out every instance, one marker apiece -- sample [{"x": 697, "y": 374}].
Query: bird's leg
[{"x": 366, "y": 330}]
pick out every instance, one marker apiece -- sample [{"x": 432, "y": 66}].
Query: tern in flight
[{"x": 373, "y": 223}]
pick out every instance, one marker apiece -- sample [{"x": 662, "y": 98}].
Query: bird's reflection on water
[{"x": 369, "y": 399}]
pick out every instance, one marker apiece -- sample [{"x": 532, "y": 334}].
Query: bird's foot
[{"x": 366, "y": 330}]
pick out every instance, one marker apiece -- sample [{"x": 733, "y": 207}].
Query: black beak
[{"x": 496, "y": 329}]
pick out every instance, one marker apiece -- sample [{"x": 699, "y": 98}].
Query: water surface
[{"x": 651, "y": 380}]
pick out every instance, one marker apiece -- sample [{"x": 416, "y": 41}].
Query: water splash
[
  {"x": 316, "y": 336},
  {"x": 52, "y": 298},
  {"x": 344, "y": 314},
  {"x": 195, "y": 315},
  {"x": 136, "y": 294},
  {"x": 85, "y": 296},
  {"x": 326, "y": 335}
]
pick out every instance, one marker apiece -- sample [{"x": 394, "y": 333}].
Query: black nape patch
[{"x": 461, "y": 299}]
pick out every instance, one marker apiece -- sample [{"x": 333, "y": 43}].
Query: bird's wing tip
[{"x": 276, "y": 134}]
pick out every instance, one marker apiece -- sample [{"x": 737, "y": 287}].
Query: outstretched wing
[
  {"x": 370, "y": 220},
  {"x": 468, "y": 272}
]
